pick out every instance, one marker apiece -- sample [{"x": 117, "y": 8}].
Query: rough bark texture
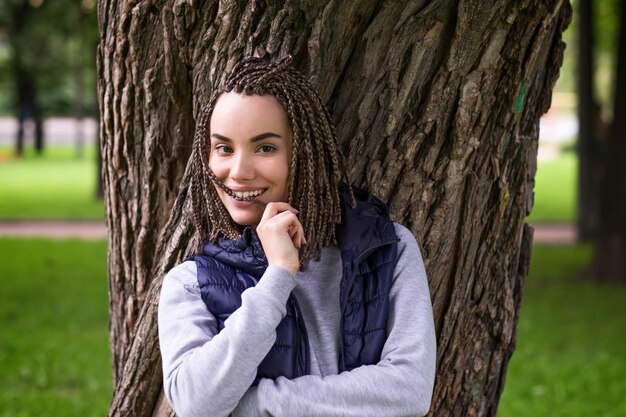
[
  {"x": 437, "y": 107},
  {"x": 609, "y": 263}
]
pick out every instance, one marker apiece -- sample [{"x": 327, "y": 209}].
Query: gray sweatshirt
[{"x": 210, "y": 374}]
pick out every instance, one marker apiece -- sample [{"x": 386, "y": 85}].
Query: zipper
[{"x": 300, "y": 328}]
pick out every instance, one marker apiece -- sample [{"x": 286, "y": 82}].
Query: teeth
[{"x": 247, "y": 194}]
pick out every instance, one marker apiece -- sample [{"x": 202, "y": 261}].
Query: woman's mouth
[{"x": 247, "y": 195}]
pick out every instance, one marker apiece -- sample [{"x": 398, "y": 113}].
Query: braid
[
  {"x": 209, "y": 214},
  {"x": 316, "y": 168}
]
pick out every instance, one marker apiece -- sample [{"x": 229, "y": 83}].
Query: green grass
[
  {"x": 54, "y": 352},
  {"x": 56, "y": 185},
  {"x": 570, "y": 360},
  {"x": 555, "y": 190}
]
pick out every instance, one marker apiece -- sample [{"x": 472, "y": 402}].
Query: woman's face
[{"x": 251, "y": 146}]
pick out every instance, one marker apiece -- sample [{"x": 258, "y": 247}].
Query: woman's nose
[{"x": 243, "y": 167}]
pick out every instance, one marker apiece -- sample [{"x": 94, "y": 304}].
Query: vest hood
[{"x": 365, "y": 226}]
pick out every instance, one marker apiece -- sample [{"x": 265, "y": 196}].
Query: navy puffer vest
[{"x": 368, "y": 245}]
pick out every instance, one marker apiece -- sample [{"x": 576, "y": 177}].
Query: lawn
[
  {"x": 56, "y": 185},
  {"x": 555, "y": 190},
  {"x": 54, "y": 351},
  {"x": 570, "y": 359}
]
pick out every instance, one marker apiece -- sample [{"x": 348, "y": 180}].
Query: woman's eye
[
  {"x": 223, "y": 149},
  {"x": 266, "y": 148}
]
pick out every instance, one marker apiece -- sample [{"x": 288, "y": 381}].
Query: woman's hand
[{"x": 281, "y": 235}]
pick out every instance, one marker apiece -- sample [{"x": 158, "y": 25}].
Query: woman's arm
[
  {"x": 204, "y": 373},
  {"x": 400, "y": 384}
]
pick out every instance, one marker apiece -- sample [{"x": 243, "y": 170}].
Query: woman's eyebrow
[{"x": 252, "y": 139}]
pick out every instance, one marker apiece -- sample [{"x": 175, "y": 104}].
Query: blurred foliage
[
  {"x": 61, "y": 35},
  {"x": 607, "y": 25},
  {"x": 56, "y": 41},
  {"x": 606, "y": 29}
]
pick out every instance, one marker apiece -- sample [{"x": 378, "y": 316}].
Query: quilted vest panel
[
  {"x": 221, "y": 285},
  {"x": 368, "y": 245}
]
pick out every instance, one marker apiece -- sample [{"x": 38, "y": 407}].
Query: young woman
[{"x": 305, "y": 299}]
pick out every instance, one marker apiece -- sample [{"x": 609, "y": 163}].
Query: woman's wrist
[{"x": 292, "y": 269}]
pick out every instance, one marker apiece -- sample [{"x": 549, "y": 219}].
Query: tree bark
[
  {"x": 437, "y": 107},
  {"x": 609, "y": 262}
]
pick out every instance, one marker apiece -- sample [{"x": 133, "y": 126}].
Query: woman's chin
[{"x": 248, "y": 216}]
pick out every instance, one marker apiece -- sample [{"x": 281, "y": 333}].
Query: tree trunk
[
  {"x": 27, "y": 107},
  {"x": 589, "y": 164},
  {"x": 79, "y": 88},
  {"x": 437, "y": 107},
  {"x": 609, "y": 263}
]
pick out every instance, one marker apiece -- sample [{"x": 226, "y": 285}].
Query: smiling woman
[
  {"x": 250, "y": 155},
  {"x": 303, "y": 295}
]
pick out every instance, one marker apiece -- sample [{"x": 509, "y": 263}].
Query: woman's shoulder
[
  {"x": 184, "y": 271},
  {"x": 180, "y": 280},
  {"x": 404, "y": 234},
  {"x": 408, "y": 243}
]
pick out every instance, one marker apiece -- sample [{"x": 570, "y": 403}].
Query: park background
[{"x": 570, "y": 357}]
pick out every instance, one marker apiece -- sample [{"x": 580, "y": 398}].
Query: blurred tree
[
  {"x": 609, "y": 263},
  {"x": 52, "y": 56},
  {"x": 27, "y": 104},
  {"x": 437, "y": 107},
  {"x": 589, "y": 142},
  {"x": 606, "y": 27},
  {"x": 597, "y": 23}
]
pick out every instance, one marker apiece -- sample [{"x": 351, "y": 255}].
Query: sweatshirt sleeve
[
  {"x": 401, "y": 384},
  {"x": 206, "y": 373}
]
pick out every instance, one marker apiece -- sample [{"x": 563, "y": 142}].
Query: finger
[
  {"x": 284, "y": 220},
  {"x": 298, "y": 240},
  {"x": 297, "y": 237},
  {"x": 279, "y": 223},
  {"x": 273, "y": 208},
  {"x": 289, "y": 222}
]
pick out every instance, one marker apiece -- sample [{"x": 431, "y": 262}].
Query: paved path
[
  {"x": 54, "y": 229},
  {"x": 556, "y": 234},
  {"x": 57, "y": 131}
]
